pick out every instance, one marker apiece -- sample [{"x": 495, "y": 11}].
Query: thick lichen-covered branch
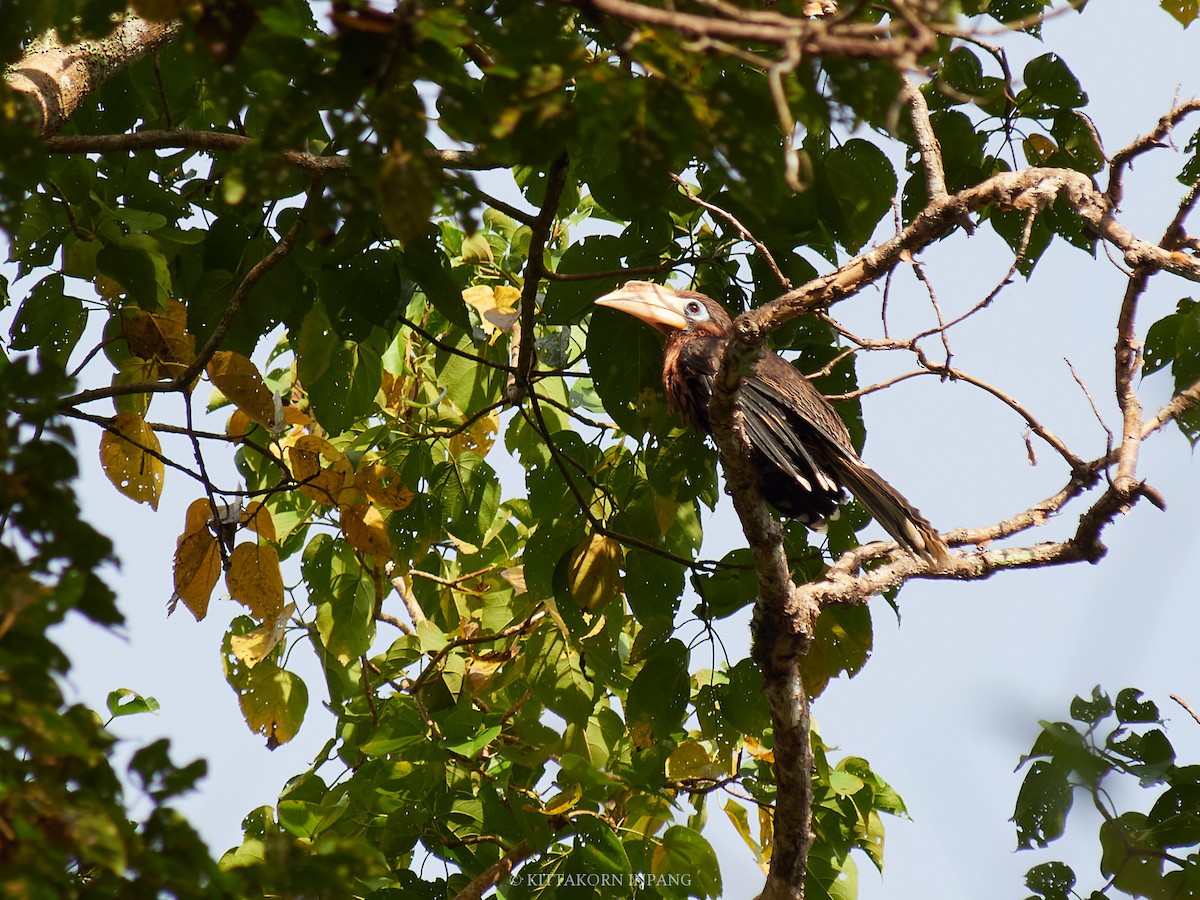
[{"x": 56, "y": 78}]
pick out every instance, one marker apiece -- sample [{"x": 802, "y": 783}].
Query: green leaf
[
  {"x": 856, "y": 192},
  {"x": 316, "y": 346},
  {"x": 687, "y": 852},
  {"x": 597, "y": 853},
  {"x": 568, "y": 301},
  {"x": 1042, "y": 805},
  {"x": 136, "y": 263},
  {"x": 658, "y": 697},
  {"x": 1131, "y": 708},
  {"x": 1049, "y": 86},
  {"x": 49, "y": 320},
  {"x": 625, "y": 360},
  {"x": 1161, "y": 341},
  {"x": 730, "y": 588},
  {"x": 842, "y": 642},
  {"x": 345, "y": 596},
  {"x": 1091, "y": 711},
  {"x": 1051, "y": 881},
  {"x": 124, "y": 702},
  {"x": 653, "y": 584},
  {"x": 425, "y": 263},
  {"x": 743, "y": 702},
  {"x": 470, "y": 494},
  {"x": 1129, "y": 855}
]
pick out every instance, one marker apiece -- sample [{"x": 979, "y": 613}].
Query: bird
[{"x": 800, "y": 447}]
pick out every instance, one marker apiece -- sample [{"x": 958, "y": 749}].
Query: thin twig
[
  {"x": 522, "y": 354},
  {"x": 741, "y": 229},
  {"x": 1191, "y": 712}
]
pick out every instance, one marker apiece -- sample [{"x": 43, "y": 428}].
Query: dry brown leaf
[
  {"x": 366, "y": 531},
  {"x": 238, "y": 379},
  {"x": 129, "y": 460},
  {"x": 254, "y": 579},
  {"x": 515, "y": 576},
  {"x": 162, "y": 338}
]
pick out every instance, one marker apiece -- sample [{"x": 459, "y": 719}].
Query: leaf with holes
[{"x": 130, "y": 455}]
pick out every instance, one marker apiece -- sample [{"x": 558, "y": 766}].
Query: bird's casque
[{"x": 800, "y": 446}]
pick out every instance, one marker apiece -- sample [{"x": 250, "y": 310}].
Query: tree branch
[
  {"x": 814, "y": 37},
  {"x": 184, "y": 379},
  {"x": 56, "y": 79},
  {"x": 491, "y": 876},
  {"x": 224, "y": 142},
  {"x": 1030, "y": 190},
  {"x": 523, "y": 339}
]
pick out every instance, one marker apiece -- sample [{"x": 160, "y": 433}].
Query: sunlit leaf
[
  {"x": 274, "y": 702},
  {"x": 254, "y": 579},
  {"x": 238, "y": 379},
  {"x": 364, "y": 528},
  {"x": 130, "y": 455},
  {"x": 254, "y": 646}
]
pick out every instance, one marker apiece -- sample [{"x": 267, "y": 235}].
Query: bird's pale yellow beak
[{"x": 652, "y": 303}]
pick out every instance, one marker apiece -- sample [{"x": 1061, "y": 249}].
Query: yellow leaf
[
  {"x": 254, "y": 579},
  {"x": 496, "y": 307},
  {"x": 239, "y": 424},
  {"x": 128, "y": 459},
  {"x": 755, "y": 748},
  {"x": 274, "y": 702},
  {"x": 1038, "y": 148},
  {"x": 318, "y": 482},
  {"x": 364, "y": 528},
  {"x": 665, "y": 510},
  {"x": 478, "y": 438},
  {"x": 197, "y": 568},
  {"x": 479, "y": 672},
  {"x": 238, "y": 379},
  {"x": 397, "y": 391},
  {"x": 258, "y": 519},
  {"x": 741, "y": 822},
  {"x": 766, "y": 835},
  {"x": 691, "y": 760},
  {"x": 254, "y": 646},
  {"x": 592, "y": 572},
  {"x": 197, "y": 517},
  {"x": 563, "y": 800},
  {"x": 382, "y": 485},
  {"x": 476, "y": 250}
]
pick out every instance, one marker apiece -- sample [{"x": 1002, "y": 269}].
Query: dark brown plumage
[{"x": 801, "y": 448}]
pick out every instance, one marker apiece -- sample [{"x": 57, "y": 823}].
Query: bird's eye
[{"x": 695, "y": 310}]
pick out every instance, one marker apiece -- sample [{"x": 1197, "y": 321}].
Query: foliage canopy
[{"x": 295, "y": 213}]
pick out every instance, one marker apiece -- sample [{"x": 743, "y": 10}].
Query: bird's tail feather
[{"x": 897, "y": 516}]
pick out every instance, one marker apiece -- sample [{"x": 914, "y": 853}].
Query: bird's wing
[
  {"x": 797, "y": 429},
  {"x": 787, "y": 438}
]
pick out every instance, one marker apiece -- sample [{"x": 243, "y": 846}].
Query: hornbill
[{"x": 800, "y": 447}]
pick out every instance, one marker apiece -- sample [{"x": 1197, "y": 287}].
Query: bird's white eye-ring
[{"x": 695, "y": 310}]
